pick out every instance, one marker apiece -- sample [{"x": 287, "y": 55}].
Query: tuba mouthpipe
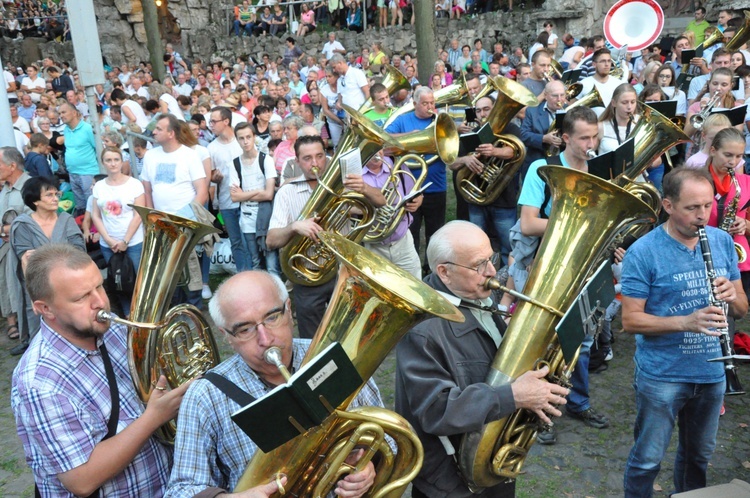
[
  {"x": 590, "y": 154},
  {"x": 272, "y": 356},
  {"x": 105, "y": 316}
]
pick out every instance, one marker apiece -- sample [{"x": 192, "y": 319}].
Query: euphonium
[
  {"x": 388, "y": 217},
  {"x": 587, "y": 213},
  {"x": 374, "y": 304},
  {"x": 730, "y": 214},
  {"x": 179, "y": 343},
  {"x": 593, "y": 99},
  {"x": 394, "y": 81},
  {"x": 456, "y": 94},
  {"x": 483, "y": 188}
]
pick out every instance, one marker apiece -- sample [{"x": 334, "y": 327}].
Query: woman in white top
[
  {"x": 665, "y": 78},
  {"x": 132, "y": 112},
  {"x": 167, "y": 103},
  {"x": 618, "y": 119},
  {"x": 541, "y": 42},
  {"x": 118, "y": 224}
]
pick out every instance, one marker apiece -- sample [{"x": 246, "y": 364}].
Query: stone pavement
[{"x": 585, "y": 462}]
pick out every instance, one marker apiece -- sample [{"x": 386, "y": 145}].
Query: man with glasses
[
  {"x": 535, "y": 132},
  {"x": 253, "y": 312},
  {"x": 601, "y": 79},
  {"x": 442, "y": 366}
]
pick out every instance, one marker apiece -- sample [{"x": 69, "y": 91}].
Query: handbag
[{"x": 120, "y": 274}]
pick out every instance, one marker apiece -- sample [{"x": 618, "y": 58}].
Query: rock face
[{"x": 200, "y": 29}]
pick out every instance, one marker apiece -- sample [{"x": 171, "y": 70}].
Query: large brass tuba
[
  {"x": 593, "y": 99},
  {"x": 587, "y": 213},
  {"x": 177, "y": 343},
  {"x": 742, "y": 35},
  {"x": 394, "y": 81},
  {"x": 483, "y": 188},
  {"x": 456, "y": 94},
  {"x": 374, "y": 304},
  {"x": 308, "y": 263}
]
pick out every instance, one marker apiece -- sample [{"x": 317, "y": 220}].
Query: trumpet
[{"x": 697, "y": 120}]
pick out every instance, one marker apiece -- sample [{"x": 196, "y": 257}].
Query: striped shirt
[
  {"x": 61, "y": 402},
  {"x": 210, "y": 449}
]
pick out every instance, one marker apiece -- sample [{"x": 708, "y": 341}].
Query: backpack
[{"x": 120, "y": 274}]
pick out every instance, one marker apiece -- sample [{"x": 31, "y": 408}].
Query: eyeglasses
[
  {"x": 481, "y": 268},
  {"x": 214, "y": 121},
  {"x": 665, "y": 76},
  {"x": 274, "y": 319}
]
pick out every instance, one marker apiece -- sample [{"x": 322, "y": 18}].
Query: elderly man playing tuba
[
  {"x": 253, "y": 311},
  {"x": 442, "y": 366}
]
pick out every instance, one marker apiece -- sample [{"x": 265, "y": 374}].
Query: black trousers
[
  {"x": 504, "y": 490},
  {"x": 432, "y": 211},
  {"x": 310, "y": 304}
]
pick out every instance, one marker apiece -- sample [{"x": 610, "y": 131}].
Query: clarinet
[{"x": 733, "y": 386}]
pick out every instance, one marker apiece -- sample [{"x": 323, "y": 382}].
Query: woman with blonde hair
[{"x": 647, "y": 76}]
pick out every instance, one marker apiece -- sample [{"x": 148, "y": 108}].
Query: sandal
[{"x": 13, "y": 332}]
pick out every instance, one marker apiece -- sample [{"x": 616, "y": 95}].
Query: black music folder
[
  {"x": 571, "y": 76},
  {"x": 683, "y": 81},
  {"x": 470, "y": 141},
  {"x": 688, "y": 55},
  {"x": 559, "y": 117},
  {"x": 666, "y": 107},
  {"x": 610, "y": 165},
  {"x": 305, "y": 401},
  {"x": 736, "y": 115}
]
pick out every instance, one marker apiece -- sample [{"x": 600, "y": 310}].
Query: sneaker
[
  {"x": 547, "y": 436},
  {"x": 590, "y": 418},
  {"x": 609, "y": 356},
  {"x": 206, "y": 292}
]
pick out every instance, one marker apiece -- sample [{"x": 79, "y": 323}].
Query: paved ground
[{"x": 585, "y": 462}]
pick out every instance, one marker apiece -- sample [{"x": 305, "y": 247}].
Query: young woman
[
  {"x": 264, "y": 26},
  {"x": 665, "y": 78},
  {"x": 307, "y": 24},
  {"x": 435, "y": 83},
  {"x": 713, "y": 125},
  {"x": 132, "y": 112},
  {"x": 278, "y": 22},
  {"x": 354, "y": 17},
  {"x": 396, "y": 12},
  {"x": 737, "y": 60},
  {"x": 294, "y": 104},
  {"x": 260, "y": 121},
  {"x": 720, "y": 84},
  {"x": 541, "y": 43},
  {"x": 725, "y": 154},
  {"x": 118, "y": 224},
  {"x": 619, "y": 119}
]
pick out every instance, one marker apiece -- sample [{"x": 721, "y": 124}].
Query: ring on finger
[{"x": 160, "y": 388}]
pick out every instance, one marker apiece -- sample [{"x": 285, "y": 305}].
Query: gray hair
[
  {"x": 441, "y": 248},
  {"x": 11, "y": 155},
  {"x": 336, "y": 58},
  {"x": 308, "y": 130},
  {"x": 419, "y": 92},
  {"x": 438, "y": 63},
  {"x": 114, "y": 137},
  {"x": 46, "y": 259},
  {"x": 214, "y": 305},
  {"x": 294, "y": 121}
]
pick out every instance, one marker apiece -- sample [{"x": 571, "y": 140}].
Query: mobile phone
[{"x": 735, "y": 83}]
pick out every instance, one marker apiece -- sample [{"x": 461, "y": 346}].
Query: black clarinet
[{"x": 733, "y": 386}]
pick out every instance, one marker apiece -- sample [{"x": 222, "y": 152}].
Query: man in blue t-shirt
[
  {"x": 433, "y": 205},
  {"x": 665, "y": 302},
  {"x": 580, "y": 132}
]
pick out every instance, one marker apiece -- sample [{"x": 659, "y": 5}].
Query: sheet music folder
[
  {"x": 470, "y": 141},
  {"x": 668, "y": 108},
  {"x": 611, "y": 164},
  {"x": 736, "y": 115},
  {"x": 305, "y": 401}
]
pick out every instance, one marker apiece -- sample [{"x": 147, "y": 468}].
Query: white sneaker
[
  {"x": 609, "y": 355},
  {"x": 206, "y": 292}
]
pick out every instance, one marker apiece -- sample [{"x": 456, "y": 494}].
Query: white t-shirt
[
  {"x": 329, "y": 47},
  {"x": 350, "y": 87},
  {"x": 22, "y": 125},
  {"x": 30, "y": 84},
  {"x": 114, "y": 206},
  {"x": 606, "y": 90},
  {"x": 140, "y": 117},
  {"x": 21, "y": 141},
  {"x": 222, "y": 156},
  {"x": 252, "y": 179},
  {"x": 184, "y": 89},
  {"x": 171, "y": 175},
  {"x": 173, "y": 106},
  {"x": 570, "y": 54},
  {"x": 8, "y": 80}
]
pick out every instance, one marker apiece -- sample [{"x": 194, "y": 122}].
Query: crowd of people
[
  {"x": 251, "y": 140},
  {"x": 31, "y": 18}
]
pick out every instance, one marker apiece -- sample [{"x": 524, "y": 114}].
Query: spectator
[
  {"x": 330, "y": 48},
  {"x": 33, "y": 84},
  {"x": 266, "y": 19},
  {"x": 353, "y": 85},
  {"x": 552, "y": 41},
  {"x": 182, "y": 87},
  {"x": 464, "y": 59},
  {"x": 132, "y": 112},
  {"x": 18, "y": 121},
  {"x": 245, "y": 22},
  {"x": 36, "y": 163},
  {"x": 285, "y": 150},
  {"x": 307, "y": 24},
  {"x": 698, "y": 25},
  {"x": 572, "y": 55},
  {"x": 354, "y": 17},
  {"x": 167, "y": 103},
  {"x": 278, "y": 22},
  {"x": 292, "y": 51},
  {"x": 113, "y": 216},
  {"x": 75, "y": 100},
  {"x": 541, "y": 43},
  {"x": 178, "y": 64},
  {"x": 31, "y": 231},
  {"x": 80, "y": 155}
]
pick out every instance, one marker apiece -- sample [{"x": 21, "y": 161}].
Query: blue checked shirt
[
  {"x": 210, "y": 449},
  {"x": 61, "y": 401}
]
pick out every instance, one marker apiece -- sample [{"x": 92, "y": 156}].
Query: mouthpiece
[
  {"x": 104, "y": 316},
  {"x": 492, "y": 284},
  {"x": 590, "y": 154},
  {"x": 272, "y": 356}
]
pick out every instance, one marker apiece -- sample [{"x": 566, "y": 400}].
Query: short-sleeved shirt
[
  {"x": 252, "y": 179},
  {"x": 377, "y": 118},
  {"x": 350, "y": 87},
  {"x": 289, "y": 202},
  {"x": 409, "y": 122},
  {"x": 671, "y": 279},
  {"x": 61, "y": 402},
  {"x": 330, "y": 47},
  {"x": 32, "y": 84},
  {"x": 80, "y": 150},
  {"x": 405, "y": 186},
  {"x": 222, "y": 156},
  {"x": 171, "y": 175},
  {"x": 115, "y": 208},
  {"x": 534, "y": 86},
  {"x": 532, "y": 193}
]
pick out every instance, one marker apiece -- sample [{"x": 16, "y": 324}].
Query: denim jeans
[
  {"x": 239, "y": 252},
  {"x": 499, "y": 219},
  {"x": 134, "y": 253},
  {"x": 578, "y": 398},
  {"x": 248, "y": 28},
  {"x": 255, "y": 255},
  {"x": 81, "y": 186},
  {"x": 695, "y": 407}
]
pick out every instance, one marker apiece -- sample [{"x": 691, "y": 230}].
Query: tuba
[
  {"x": 394, "y": 81},
  {"x": 179, "y": 343},
  {"x": 456, "y": 94},
  {"x": 742, "y": 35},
  {"x": 483, "y": 188},
  {"x": 374, "y": 304},
  {"x": 388, "y": 217},
  {"x": 587, "y": 213}
]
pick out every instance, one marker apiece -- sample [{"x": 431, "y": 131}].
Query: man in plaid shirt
[{"x": 78, "y": 433}]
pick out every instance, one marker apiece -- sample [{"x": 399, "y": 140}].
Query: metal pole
[{"x": 7, "y": 136}]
